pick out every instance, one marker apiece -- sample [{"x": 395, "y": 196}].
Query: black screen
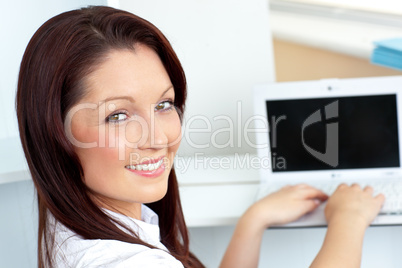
[{"x": 333, "y": 133}]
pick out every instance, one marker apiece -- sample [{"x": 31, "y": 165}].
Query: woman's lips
[{"x": 150, "y": 168}]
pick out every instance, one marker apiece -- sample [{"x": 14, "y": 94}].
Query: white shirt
[{"x": 71, "y": 250}]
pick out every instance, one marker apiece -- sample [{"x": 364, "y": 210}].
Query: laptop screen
[{"x": 356, "y": 132}]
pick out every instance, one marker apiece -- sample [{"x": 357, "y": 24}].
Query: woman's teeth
[{"x": 146, "y": 167}]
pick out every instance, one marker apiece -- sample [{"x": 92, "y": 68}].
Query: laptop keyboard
[{"x": 391, "y": 191}]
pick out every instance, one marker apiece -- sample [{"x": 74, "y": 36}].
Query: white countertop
[{"x": 217, "y": 190}]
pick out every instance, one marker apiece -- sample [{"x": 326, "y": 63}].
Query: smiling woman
[{"x": 72, "y": 117}]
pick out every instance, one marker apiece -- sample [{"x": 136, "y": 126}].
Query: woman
[{"x": 99, "y": 103}]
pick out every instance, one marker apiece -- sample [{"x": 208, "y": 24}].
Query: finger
[
  {"x": 355, "y": 185},
  {"x": 368, "y": 189},
  {"x": 313, "y": 193},
  {"x": 298, "y": 186},
  {"x": 311, "y": 205},
  {"x": 342, "y": 186},
  {"x": 303, "y": 185},
  {"x": 380, "y": 198}
]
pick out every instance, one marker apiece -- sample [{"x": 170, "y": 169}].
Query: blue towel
[{"x": 388, "y": 53}]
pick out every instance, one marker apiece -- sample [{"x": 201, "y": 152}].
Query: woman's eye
[
  {"x": 164, "y": 106},
  {"x": 114, "y": 118}
]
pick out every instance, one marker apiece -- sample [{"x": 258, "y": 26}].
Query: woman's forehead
[{"x": 135, "y": 73}]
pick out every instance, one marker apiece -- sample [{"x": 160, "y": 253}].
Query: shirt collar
[{"x": 147, "y": 228}]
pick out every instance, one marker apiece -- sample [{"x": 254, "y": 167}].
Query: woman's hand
[
  {"x": 353, "y": 203},
  {"x": 349, "y": 211},
  {"x": 286, "y": 205}
]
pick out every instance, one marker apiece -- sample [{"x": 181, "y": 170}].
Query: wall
[{"x": 18, "y": 226}]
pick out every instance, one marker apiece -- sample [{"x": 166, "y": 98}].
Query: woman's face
[{"x": 126, "y": 130}]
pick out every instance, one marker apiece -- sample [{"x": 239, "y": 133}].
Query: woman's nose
[{"x": 154, "y": 134}]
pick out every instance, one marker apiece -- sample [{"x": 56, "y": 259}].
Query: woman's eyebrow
[
  {"x": 129, "y": 98},
  {"x": 164, "y": 92}
]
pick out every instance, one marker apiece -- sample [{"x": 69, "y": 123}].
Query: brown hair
[{"x": 62, "y": 52}]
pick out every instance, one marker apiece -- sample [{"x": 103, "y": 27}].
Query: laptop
[{"x": 332, "y": 131}]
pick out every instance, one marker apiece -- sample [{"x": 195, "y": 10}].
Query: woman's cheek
[
  {"x": 110, "y": 147},
  {"x": 174, "y": 134},
  {"x": 82, "y": 135}
]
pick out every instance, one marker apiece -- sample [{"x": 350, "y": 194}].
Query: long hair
[{"x": 62, "y": 52}]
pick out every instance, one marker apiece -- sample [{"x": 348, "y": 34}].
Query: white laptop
[{"x": 329, "y": 132}]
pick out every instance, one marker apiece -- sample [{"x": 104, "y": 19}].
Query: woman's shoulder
[
  {"x": 71, "y": 250},
  {"x": 77, "y": 252}
]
